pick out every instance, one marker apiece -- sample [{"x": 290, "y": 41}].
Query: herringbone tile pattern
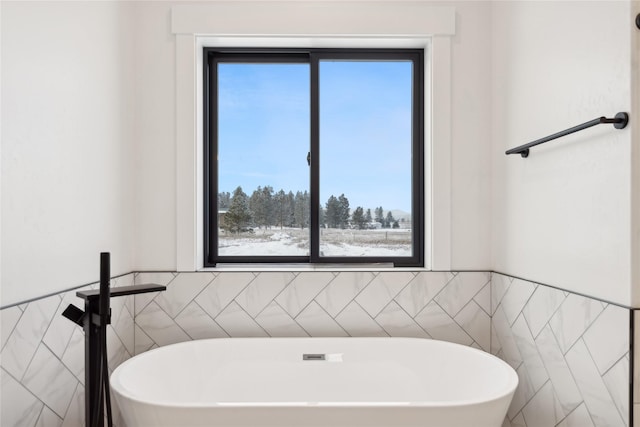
[
  {"x": 571, "y": 354},
  {"x": 447, "y": 306}
]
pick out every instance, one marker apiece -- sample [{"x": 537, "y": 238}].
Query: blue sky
[{"x": 365, "y": 137}]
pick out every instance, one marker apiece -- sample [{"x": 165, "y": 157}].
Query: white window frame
[{"x": 298, "y": 23}]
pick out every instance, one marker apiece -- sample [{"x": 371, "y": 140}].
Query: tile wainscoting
[
  {"x": 441, "y": 305},
  {"x": 571, "y": 352},
  {"x": 42, "y": 358}
]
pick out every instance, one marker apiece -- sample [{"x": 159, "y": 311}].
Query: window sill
[{"x": 311, "y": 267}]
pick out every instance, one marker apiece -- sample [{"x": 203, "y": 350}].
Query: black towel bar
[{"x": 619, "y": 122}]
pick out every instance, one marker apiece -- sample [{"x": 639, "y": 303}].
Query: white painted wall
[
  {"x": 89, "y": 137},
  {"x": 562, "y": 216},
  {"x": 67, "y": 138},
  {"x": 156, "y": 128}
]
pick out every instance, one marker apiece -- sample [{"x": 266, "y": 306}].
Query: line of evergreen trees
[{"x": 266, "y": 208}]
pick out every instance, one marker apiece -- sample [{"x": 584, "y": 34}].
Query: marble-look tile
[
  {"x": 237, "y": 323},
  {"x": 49, "y": 380},
  {"x": 318, "y": 323},
  {"x": 181, "y": 291},
  {"x": 596, "y": 396},
  {"x": 483, "y": 298},
  {"x": 573, "y": 318},
  {"x": 277, "y": 322},
  {"x": 60, "y": 329},
  {"x": 8, "y": 320},
  {"x": 526, "y": 345},
  {"x": 421, "y": 290},
  {"x": 162, "y": 278},
  {"x": 516, "y": 298},
  {"x": 198, "y": 324},
  {"x": 496, "y": 346},
  {"x": 543, "y": 304},
  {"x": 48, "y": 418},
  {"x": 302, "y": 290},
  {"x": 617, "y": 382},
  {"x": 382, "y": 289},
  {"x": 355, "y": 320},
  {"x": 607, "y": 338},
  {"x": 578, "y": 418},
  {"x": 262, "y": 290},
  {"x": 499, "y": 286},
  {"x": 342, "y": 290},
  {"x": 477, "y": 323},
  {"x": 29, "y": 331},
  {"x": 397, "y": 322},
  {"x": 460, "y": 290},
  {"x": 142, "y": 340},
  {"x": 75, "y": 416},
  {"x": 122, "y": 323},
  {"x": 73, "y": 356},
  {"x": 510, "y": 351},
  {"x": 158, "y": 278},
  {"x": 519, "y": 421},
  {"x": 159, "y": 326},
  {"x": 129, "y": 304},
  {"x": 19, "y": 407},
  {"x": 524, "y": 392},
  {"x": 435, "y": 321},
  {"x": 126, "y": 280},
  {"x": 558, "y": 370},
  {"x": 116, "y": 351},
  {"x": 544, "y": 409},
  {"x": 222, "y": 290},
  {"x": 476, "y": 346}
]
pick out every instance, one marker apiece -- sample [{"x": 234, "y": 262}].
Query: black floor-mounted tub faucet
[{"x": 94, "y": 319}]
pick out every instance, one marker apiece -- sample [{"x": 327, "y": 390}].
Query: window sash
[{"x": 214, "y": 56}]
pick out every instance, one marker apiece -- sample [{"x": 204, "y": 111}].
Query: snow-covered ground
[{"x": 295, "y": 242}]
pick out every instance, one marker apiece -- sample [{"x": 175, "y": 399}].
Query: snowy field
[{"x": 333, "y": 242}]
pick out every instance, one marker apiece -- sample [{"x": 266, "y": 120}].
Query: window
[{"x": 314, "y": 156}]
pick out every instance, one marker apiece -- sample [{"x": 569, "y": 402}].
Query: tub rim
[{"x": 512, "y": 380}]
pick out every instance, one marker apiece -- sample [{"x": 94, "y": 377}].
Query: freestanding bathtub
[{"x": 300, "y": 382}]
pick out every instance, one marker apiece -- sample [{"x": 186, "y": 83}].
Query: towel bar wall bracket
[{"x": 620, "y": 121}]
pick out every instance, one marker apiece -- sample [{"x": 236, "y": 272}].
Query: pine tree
[
  {"x": 389, "y": 220},
  {"x": 224, "y": 200},
  {"x": 359, "y": 219},
  {"x": 261, "y": 207},
  {"x": 283, "y": 208},
  {"x": 368, "y": 217},
  {"x": 290, "y": 219},
  {"x": 379, "y": 212},
  {"x": 238, "y": 218},
  {"x": 332, "y": 212},
  {"x": 301, "y": 209},
  {"x": 343, "y": 211}
]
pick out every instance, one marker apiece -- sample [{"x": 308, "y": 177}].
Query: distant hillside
[{"x": 397, "y": 214}]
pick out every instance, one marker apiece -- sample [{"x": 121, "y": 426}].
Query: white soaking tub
[{"x": 255, "y": 382}]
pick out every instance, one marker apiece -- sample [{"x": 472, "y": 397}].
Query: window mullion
[{"x": 314, "y": 252}]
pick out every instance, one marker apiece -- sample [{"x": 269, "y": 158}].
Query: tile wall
[
  {"x": 42, "y": 359},
  {"x": 441, "y": 305},
  {"x": 571, "y": 352}
]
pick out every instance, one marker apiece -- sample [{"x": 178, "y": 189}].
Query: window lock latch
[{"x": 309, "y": 158}]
